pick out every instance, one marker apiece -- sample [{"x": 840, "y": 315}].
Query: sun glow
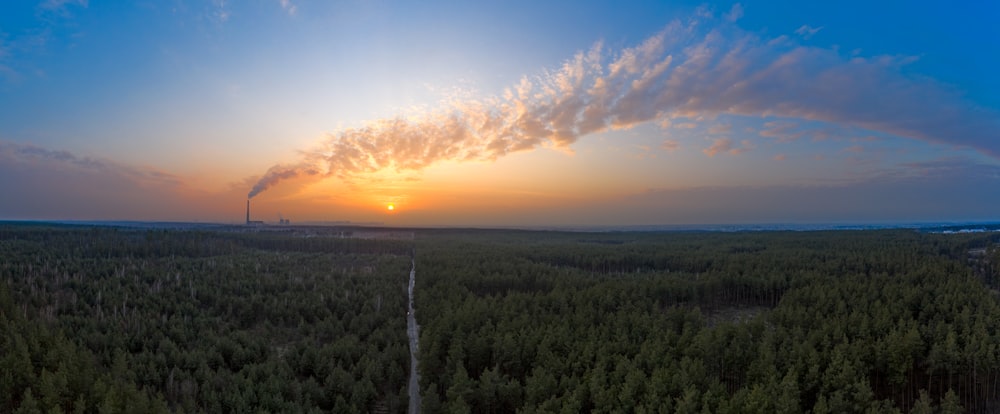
[{"x": 390, "y": 207}]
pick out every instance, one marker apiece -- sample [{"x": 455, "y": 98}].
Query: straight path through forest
[{"x": 413, "y": 331}]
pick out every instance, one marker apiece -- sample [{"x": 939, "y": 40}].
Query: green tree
[
  {"x": 461, "y": 390},
  {"x": 923, "y": 405},
  {"x": 950, "y": 404},
  {"x": 28, "y": 404}
]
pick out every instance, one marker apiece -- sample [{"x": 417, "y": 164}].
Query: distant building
[{"x": 250, "y": 222}]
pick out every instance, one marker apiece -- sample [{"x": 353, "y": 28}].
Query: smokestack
[{"x": 248, "y": 211}]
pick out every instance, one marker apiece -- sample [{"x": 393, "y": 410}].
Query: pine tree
[
  {"x": 950, "y": 404},
  {"x": 28, "y": 404},
  {"x": 461, "y": 390},
  {"x": 923, "y": 405}
]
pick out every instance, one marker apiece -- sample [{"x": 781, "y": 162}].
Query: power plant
[{"x": 252, "y": 223}]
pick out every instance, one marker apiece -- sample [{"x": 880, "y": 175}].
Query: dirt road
[{"x": 413, "y": 331}]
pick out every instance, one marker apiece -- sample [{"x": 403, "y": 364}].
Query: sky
[{"x": 512, "y": 113}]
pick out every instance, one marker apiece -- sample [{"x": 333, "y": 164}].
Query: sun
[{"x": 390, "y": 207}]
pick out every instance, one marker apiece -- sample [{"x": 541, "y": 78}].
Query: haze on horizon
[{"x": 509, "y": 114}]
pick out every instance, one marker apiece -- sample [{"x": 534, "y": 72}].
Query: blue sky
[{"x": 506, "y": 113}]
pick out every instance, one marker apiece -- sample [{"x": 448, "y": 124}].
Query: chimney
[{"x": 248, "y": 211}]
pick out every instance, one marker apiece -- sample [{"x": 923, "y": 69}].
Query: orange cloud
[
  {"x": 721, "y": 145},
  {"x": 696, "y": 69}
]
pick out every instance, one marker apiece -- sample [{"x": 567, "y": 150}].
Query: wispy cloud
[
  {"x": 644, "y": 152},
  {"x": 719, "y": 145},
  {"x": 905, "y": 192},
  {"x": 807, "y": 31},
  {"x": 735, "y": 13},
  {"x": 16, "y": 47},
  {"x": 692, "y": 70},
  {"x": 57, "y": 184},
  {"x": 60, "y": 6},
  {"x": 782, "y": 131},
  {"x": 725, "y": 145},
  {"x": 670, "y": 145},
  {"x": 946, "y": 168},
  {"x": 14, "y": 153},
  {"x": 220, "y": 11},
  {"x": 288, "y": 7},
  {"x": 720, "y": 129}
]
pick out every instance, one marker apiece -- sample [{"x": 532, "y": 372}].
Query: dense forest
[
  {"x": 116, "y": 320},
  {"x": 104, "y": 320},
  {"x": 762, "y": 322}
]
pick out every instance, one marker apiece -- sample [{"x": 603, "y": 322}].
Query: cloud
[
  {"x": 782, "y": 131},
  {"x": 807, "y": 31},
  {"x": 945, "y": 169},
  {"x": 918, "y": 192},
  {"x": 719, "y": 145},
  {"x": 52, "y": 12},
  {"x": 670, "y": 145},
  {"x": 735, "y": 13},
  {"x": 48, "y": 184},
  {"x": 51, "y": 184},
  {"x": 780, "y": 157},
  {"x": 33, "y": 37},
  {"x": 60, "y": 6},
  {"x": 725, "y": 145},
  {"x": 288, "y": 6},
  {"x": 220, "y": 11},
  {"x": 745, "y": 146},
  {"x": 694, "y": 70},
  {"x": 14, "y": 153},
  {"x": 720, "y": 129},
  {"x": 645, "y": 152}
]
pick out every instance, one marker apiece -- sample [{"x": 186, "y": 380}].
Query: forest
[
  {"x": 109, "y": 319},
  {"x": 888, "y": 321},
  {"x": 105, "y": 320}
]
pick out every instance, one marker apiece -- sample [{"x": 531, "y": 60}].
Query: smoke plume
[
  {"x": 278, "y": 173},
  {"x": 695, "y": 69}
]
